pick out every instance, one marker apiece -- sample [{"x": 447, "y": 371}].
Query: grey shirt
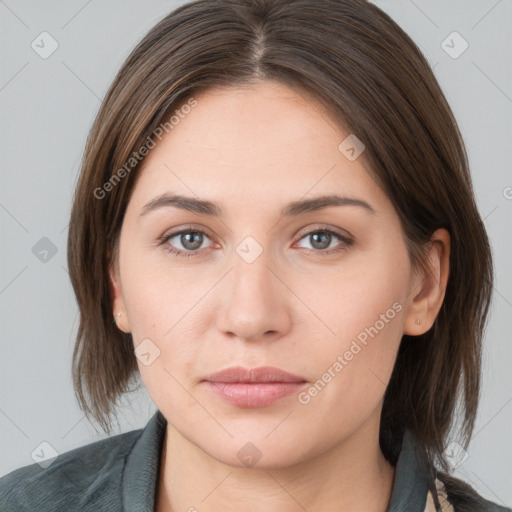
[{"x": 120, "y": 473}]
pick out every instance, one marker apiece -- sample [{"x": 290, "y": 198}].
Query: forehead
[{"x": 253, "y": 143}]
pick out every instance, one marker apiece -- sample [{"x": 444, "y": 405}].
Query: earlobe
[
  {"x": 118, "y": 306},
  {"x": 428, "y": 291}
]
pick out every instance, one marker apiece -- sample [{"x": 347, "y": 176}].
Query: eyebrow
[{"x": 292, "y": 209}]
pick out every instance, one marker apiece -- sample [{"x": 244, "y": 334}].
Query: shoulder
[
  {"x": 463, "y": 498},
  {"x": 86, "y": 478}
]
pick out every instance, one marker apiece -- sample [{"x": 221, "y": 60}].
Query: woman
[{"x": 276, "y": 211}]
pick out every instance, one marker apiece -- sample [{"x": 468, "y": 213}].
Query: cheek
[
  {"x": 361, "y": 328},
  {"x": 362, "y": 314},
  {"x": 158, "y": 296},
  {"x": 353, "y": 368},
  {"x": 165, "y": 312},
  {"x": 348, "y": 301}
]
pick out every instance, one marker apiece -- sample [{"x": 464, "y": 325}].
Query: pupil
[
  {"x": 185, "y": 238},
  {"x": 326, "y": 238}
]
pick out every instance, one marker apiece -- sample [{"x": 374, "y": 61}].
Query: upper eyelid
[
  {"x": 186, "y": 229},
  {"x": 301, "y": 232},
  {"x": 324, "y": 227}
]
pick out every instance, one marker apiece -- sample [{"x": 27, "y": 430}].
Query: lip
[
  {"x": 254, "y": 375},
  {"x": 255, "y": 387}
]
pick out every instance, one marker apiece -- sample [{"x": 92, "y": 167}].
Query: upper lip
[{"x": 253, "y": 375}]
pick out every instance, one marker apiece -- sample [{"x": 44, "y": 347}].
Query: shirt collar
[
  {"x": 141, "y": 473},
  {"x": 140, "y": 477},
  {"x": 410, "y": 486}
]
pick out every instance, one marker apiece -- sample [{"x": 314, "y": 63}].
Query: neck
[{"x": 353, "y": 475}]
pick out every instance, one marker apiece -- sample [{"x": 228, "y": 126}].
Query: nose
[{"x": 255, "y": 301}]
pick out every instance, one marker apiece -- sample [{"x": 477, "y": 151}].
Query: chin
[{"x": 260, "y": 453}]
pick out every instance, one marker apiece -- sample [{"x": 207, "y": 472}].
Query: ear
[
  {"x": 428, "y": 289},
  {"x": 118, "y": 306}
]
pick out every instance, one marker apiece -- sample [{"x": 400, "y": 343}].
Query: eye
[
  {"x": 191, "y": 239},
  {"x": 321, "y": 239}
]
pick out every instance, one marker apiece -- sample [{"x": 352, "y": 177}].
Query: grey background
[{"x": 47, "y": 107}]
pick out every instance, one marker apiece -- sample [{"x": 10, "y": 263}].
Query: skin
[{"x": 252, "y": 150}]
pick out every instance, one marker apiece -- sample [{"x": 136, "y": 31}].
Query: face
[{"x": 323, "y": 294}]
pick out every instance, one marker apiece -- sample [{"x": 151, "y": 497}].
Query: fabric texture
[{"x": 121, "y": 473}]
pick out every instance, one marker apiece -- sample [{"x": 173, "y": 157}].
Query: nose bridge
[
  {"x": 254, "y": 304},
  {"x": 251, "y": 274},
  {"x": 252, "y": 286},
  {"x": 251, "y": 261}
]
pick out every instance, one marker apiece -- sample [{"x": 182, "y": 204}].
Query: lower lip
[{"x": 258, "y": 394}]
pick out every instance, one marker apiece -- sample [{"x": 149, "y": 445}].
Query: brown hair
[{"x": 354, "y": 59}]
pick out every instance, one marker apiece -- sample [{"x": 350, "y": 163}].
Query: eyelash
[{"x": 186, "y": 254}]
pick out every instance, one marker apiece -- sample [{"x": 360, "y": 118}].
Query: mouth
[{"x": 255, "y": 387}]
